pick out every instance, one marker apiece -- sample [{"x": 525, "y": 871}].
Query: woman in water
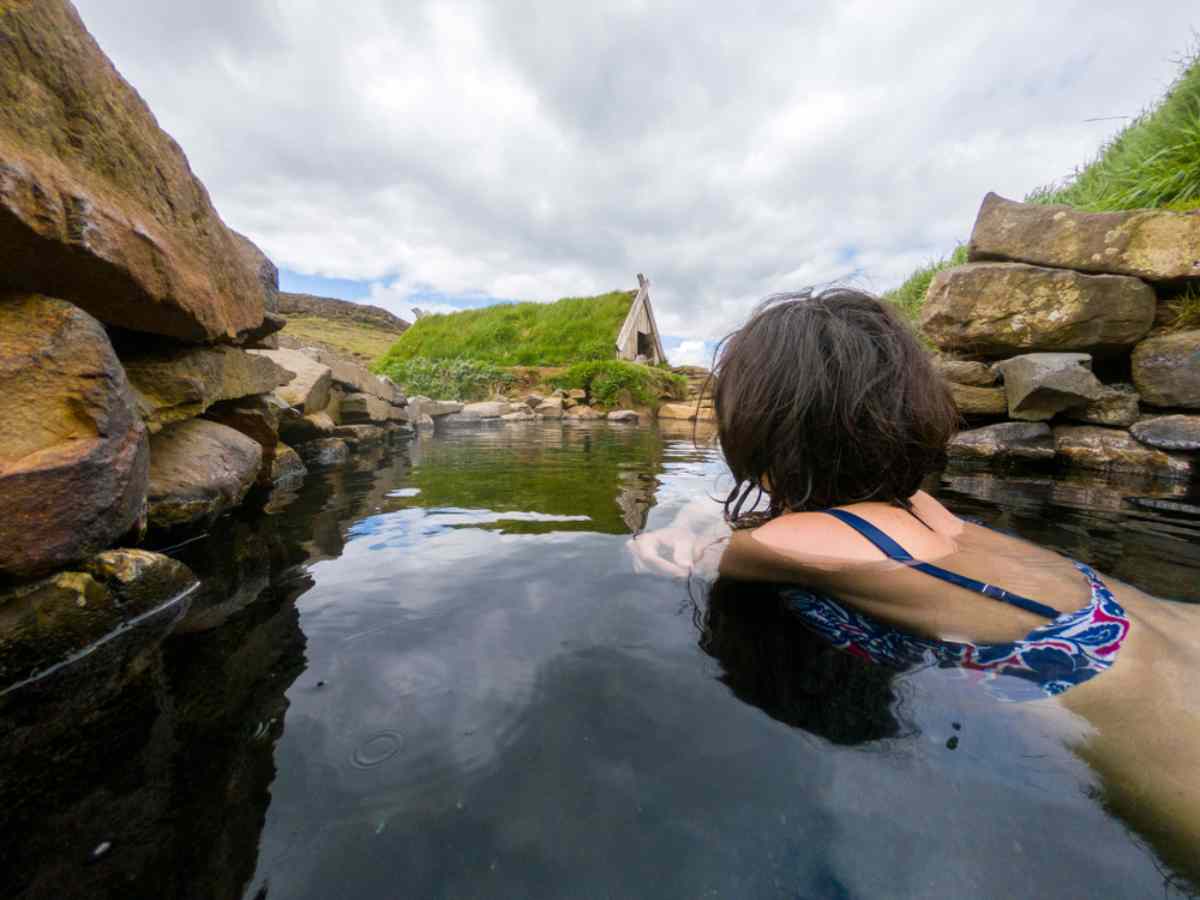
[{"x": 830, "y": 414}]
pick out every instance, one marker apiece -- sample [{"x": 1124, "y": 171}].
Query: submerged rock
[
  {"x": 979, "y": 401},
  {"x": 623, "y": 415},
  {"x": 1166, "y": 369},
  {"x": 97, "y": 204},
  {"x": 1004, "y": 440},
  {"x": 324, "y": 452},
  {"x": 1038, "y": 385},
  {"x": 1153, "y": 244},
  {"x": 198, "y": 470},
  {"x": 287, "y": 468},
  {"x": 174, "y": 385},
  {"x": 309, "y": 390},
  {"x": 1169, "y": 432},
  {"x": 998, "y": 309},
  {"x": 74, "y": 457},
  {"x": 1114, "y": 450},
  {"x": 48, "y": 620},
  {"x": 521, "y": 415}
]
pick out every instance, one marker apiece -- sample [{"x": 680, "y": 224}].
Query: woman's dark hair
[
  {"x": 826, "y": 398},
  {"x": 770, "y": 660}
]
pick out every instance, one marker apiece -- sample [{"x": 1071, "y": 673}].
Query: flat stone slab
[
  {"x": 1115, "y": 450},
  {"x": 624, "y": 415},
  {"x": 965, "y": 371},
  {"x": 1169, "y": 432},
  {"x": 309, "y": 390},
  {"x": 1118, "y": 406},
  {"x": 979, "y": 401},
  {"x": 363, "y": 409},
  {"x": 1000, "y": 309},
  {"x": 1004, "y": 440},
  {"x": 1166, "y": 369},
  {"x": 198, "y": 470},
  {"x": 1039, "y": 385},
  {"x": 179, "y": 384},
  {"x": 1157, "y": 245}
]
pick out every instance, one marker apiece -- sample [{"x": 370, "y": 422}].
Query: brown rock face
[
  {"x": 97, "y": 204},
  {"x": 174, "y": 385},
  {"x": 73, "y": 453},
  {"x": 309, "y": 390},
  {"x": 1040, "y": 385},
  {"x": 258, "y": 419},
  {"x": 1152, "y": 244},
  {"x": 1000, "y": 309},
  {"x": 964, "y": 371},
  {"x": 1114, "y": 450},
  {"x": 979, "y": 401},
  {"x": 199, "y": 469},
  {"x": 1166, "y": 369}
]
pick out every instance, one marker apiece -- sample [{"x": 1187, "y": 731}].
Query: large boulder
[
  {"x": 979, "y": 401},
  {"x": 309, "y": 390},
  {"x": 356, "y": 379},
  {"x": 181, "y": 383},
  {"x": 46, "y": 621},
  {"x": 97, "y": 204},
  {"x": 287, "y": 468},
  {"x": 1169, "y": 432},
  {"x": 419, "y": 406},
  {"x": 623, "y": 415},
  {"x": 550, "y": 408},
  {"x": 583, "y": 413},
  {"x": 1004, "y": 440},
  {"x": 684, "y": 411},
  {"x": 296, "y": 429},
  {"x": 73, "y": 453},
  {"x": 1166, "y": 369},
  {"x": 488, "y": 409},
  {"x": 258, "y": 418},
  {"x": 1039, "y": 385},
  {"x": 1115, "y": 450},
  {"x": 1156, "y": 245},
  {"x": 999, "y": 309},
  {"x": 198, "y": 470},
  {"x": 265, "y": 271}
]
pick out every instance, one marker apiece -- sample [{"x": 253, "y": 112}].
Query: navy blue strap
[{"x": 892, "y": 550}]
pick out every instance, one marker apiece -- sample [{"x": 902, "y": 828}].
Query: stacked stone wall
[{"x": 1055, "y": 342}]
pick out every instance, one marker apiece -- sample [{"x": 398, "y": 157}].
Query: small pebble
[{"x": 952, "y": 744}]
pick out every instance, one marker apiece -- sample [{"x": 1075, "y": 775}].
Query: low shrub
[
  {"x": 606, "y": 380},
  {"x": 445, "y": 379}
]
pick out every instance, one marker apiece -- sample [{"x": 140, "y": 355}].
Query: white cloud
[
  {"x": 529, "y": 150},
  {"x": 691, "y": 353}
]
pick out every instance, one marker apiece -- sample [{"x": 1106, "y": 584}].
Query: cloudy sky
[{"x": 452, "y": 154}]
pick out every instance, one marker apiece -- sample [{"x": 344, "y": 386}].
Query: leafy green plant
[
  {"x": 445, "y": 379},
  {"x": 570, "y": 330},
  {"x": 910, "y": 296},
  {"x": 1153, "y": 162},
  {"x": 606, "y": 380}
]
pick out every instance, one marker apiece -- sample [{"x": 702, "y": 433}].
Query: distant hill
[
  {"x": 574, "y": 329},
  {"x": 355, "y": 329},
  {"x": 329, "y": 308}
]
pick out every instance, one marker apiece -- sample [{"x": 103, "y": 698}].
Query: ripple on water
[{"x": 375, "y": 750}]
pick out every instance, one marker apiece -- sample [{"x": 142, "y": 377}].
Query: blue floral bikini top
[{"x": 1070, "y": 649}]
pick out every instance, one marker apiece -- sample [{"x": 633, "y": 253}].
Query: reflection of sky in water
[{"x": 517, "y": 714}]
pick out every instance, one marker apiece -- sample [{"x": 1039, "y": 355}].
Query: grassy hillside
[
  {"x": 357, "y": 339},
  {"x": 571, "y": 330},
  {"x": 1153, "y": 163}
]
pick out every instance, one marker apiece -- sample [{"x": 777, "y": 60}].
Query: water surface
[{"x": 434, "y": 674}]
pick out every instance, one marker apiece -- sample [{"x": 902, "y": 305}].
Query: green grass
[
  {"x": 1153, "y": 163},
  {"x": 910, "y": 296},
  {"x": 571, "y": 330},
  {"x": 446, "y": 379},
  {"x": 614, "y": 382},
  {"x": 1181, "y": 312}
]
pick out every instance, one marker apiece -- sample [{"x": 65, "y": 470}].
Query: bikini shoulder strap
[{"x": 894, "y": 551}]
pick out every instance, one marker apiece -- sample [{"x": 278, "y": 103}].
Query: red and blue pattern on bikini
[{"x": 1055, "y": 657}]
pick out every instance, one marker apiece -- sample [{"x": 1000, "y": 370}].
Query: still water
[{"x": 435, "y": 674}]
